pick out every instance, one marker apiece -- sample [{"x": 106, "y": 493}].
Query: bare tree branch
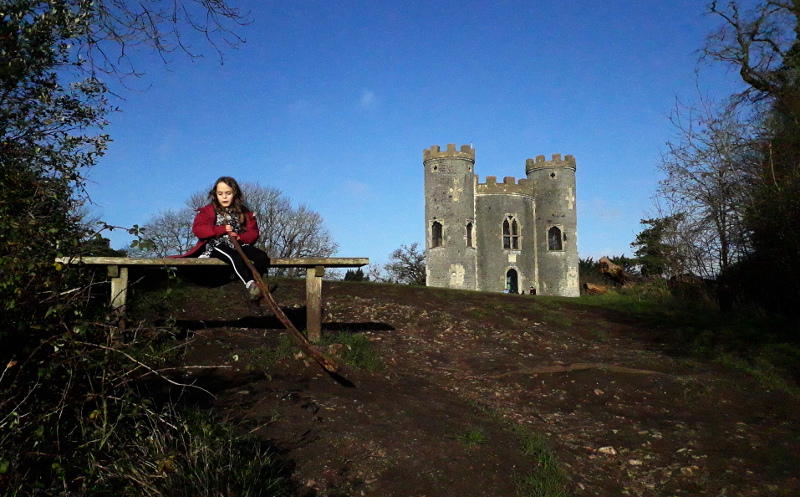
[
  {"x": 756, "y": 43},
  {"x": 407, "y": 265},
  {"x": 711, "y": 168}
]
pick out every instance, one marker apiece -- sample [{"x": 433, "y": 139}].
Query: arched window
[
  {"x": 470, "y": 240},
  {"x": 554, "y": 238},
  {"x": 510, "y": 233},
  {"x": 436, "y": 234}
]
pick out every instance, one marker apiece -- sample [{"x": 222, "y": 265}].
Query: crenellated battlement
[
  {"x": 435, "y": 152},
  {"x": 556, "y": 161},
  {"x": 508, "y": 186}
]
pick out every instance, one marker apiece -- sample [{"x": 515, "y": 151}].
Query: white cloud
[{"x": 367, "y": 98}]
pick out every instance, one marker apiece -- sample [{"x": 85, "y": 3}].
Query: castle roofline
[
  {"x": 508, "y": 186},
  {"x": 540, "y": 163},
  {"x": 435, "y": 152}
]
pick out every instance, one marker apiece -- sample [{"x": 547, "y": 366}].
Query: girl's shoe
[
  {"x": 255, "y": 292},
  {"x": 254, "y": 299}
]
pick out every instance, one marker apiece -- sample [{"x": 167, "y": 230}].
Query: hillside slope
[{"x": 463, "y": 371}]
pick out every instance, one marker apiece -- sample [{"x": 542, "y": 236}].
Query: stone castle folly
[{"x": 512, "y": 236}]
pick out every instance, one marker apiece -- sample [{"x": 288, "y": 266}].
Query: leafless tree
[
  {"x": 118, "y": 29},
  {"x": 407, "y": 265},
  {"x": 715, "y": 165},
  {"x": 733, "y": 170},
  {"x": 710, "y": 169},
  {"x": 760, "y": 42},
  {"x": 376, "y": 273},
  {"x": 170, "y": 233}
]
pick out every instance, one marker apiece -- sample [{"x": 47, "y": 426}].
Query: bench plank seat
[
  {"x": 315, "y": 270},
  {"x": 166, "y": 261}
]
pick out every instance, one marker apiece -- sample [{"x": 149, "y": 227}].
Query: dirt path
[{"x": 623, "y": 416}]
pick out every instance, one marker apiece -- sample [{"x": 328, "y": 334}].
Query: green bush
[{"x": 75, "y": 408}]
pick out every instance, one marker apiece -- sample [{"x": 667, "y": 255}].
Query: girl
[{"x": 226, "y": 217}]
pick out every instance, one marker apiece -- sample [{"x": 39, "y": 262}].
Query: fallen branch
[{"x": 151, "y": 370}]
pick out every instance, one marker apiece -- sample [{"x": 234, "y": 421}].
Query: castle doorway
[{"x": 512, "y": 281}]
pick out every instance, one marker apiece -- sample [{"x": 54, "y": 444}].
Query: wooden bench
[{"x": 315, "y": 270}]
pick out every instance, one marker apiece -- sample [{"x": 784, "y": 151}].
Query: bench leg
[
  {"x": 119, "y": 288},
  {"x": 314, "y": 302}
]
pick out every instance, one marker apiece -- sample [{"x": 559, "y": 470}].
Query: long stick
[{"x": 324, "y": 361}]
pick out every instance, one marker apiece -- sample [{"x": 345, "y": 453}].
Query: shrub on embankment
[
  {"x": 77, "y": 417},
  {"x": 691, "y": 321}
]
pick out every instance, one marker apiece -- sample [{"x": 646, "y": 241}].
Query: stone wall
[{"x": 495, "y": 260}]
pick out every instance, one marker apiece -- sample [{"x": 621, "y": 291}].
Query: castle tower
[
  {"x": 556, "y": 224},
  {"x": 450, "y": 217}
]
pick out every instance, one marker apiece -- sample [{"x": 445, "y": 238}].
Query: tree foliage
[
  {"x": 656, "y": 252},
  {"x": 70, "y": 421},
  {"x": 47, "y": 141},
  {"x": 355, "y": 275},
  {"x": 763, "y": 45},
  {"x": 53, "y": 108}
]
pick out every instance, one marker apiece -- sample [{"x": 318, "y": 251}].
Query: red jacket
[{"x": 206, "y": 229}]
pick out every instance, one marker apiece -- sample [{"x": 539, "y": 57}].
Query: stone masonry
[{"x": 512, "y": 236}]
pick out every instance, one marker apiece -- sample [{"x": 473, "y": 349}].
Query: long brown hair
[{"x": 237, "y": 204}]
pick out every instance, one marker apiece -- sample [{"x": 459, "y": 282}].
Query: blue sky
[{"x": 334, "y": 102}]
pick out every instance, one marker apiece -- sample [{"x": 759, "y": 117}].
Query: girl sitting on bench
[{"x": 225, "y": 217}]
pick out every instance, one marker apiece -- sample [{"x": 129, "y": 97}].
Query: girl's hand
[{"x": 230, "y": 231}]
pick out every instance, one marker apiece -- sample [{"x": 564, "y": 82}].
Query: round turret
[
  {"x": 556, "y": 224},
  {"x": 450, "y": 216}
]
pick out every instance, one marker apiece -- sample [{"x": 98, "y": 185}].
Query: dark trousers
[{"x": 257, "y": 256}]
